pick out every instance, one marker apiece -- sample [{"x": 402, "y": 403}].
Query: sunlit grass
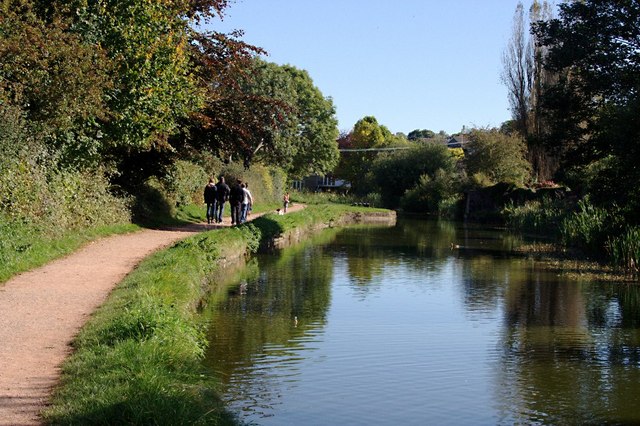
[{"x": 23, "y": 248}]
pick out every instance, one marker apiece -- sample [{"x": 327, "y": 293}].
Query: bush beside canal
[{"x": 137, "y": 361}]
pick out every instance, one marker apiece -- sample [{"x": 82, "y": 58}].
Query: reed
[
  {"x": 542, "y": 217},
  {"x": 587, "y": 228},
  {"x": 624, "y": 250}
]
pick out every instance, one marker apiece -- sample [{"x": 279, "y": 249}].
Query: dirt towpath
[{"x": 42, "y": 310}]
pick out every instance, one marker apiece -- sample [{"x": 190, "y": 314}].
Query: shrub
[
  {"x": 589, "y": 227},
  {"x": 500, "y": 157},
  {"x": 401, "y": 171},
  {"x": 624, "y": 250},
  {"x": 374, "y": 199},
  {"x": 314, "y": 197},
  {"x": 538, "y": 216},
  {"x": 152, "y": 205},
  {"x": 435, "y": 195},
  {"x": 184, "y": 183},
  {"x": 481, "y": 180},
  {"x": 267, "y": 184}
]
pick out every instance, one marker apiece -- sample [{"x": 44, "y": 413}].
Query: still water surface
[{"x": 382, "y": 326}]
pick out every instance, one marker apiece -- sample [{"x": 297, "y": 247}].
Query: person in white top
[{"x": 247, "y": 202}]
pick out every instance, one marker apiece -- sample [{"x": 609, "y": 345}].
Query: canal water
[{"x": 390, "y": 326}]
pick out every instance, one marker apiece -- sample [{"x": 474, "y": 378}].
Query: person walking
[
  {"x": 235, "y": 200},
  {"x": 247, "y": 202},
  {"x": 210, "y": 198},
  {"x": 285, "y": 201},
  {"x": 222, "y": 196}
]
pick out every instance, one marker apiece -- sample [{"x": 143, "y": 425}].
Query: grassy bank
[
  {"x": 25, "y": 247},
  {"x": 137, "y": 361},
  {"x": 47, "y": 211}
]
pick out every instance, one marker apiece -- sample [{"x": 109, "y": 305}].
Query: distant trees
[
  {"x": 355, "y": 166},
  {"x": 495, "y": 157},
  {"x": 368, "y": 133},
  {"x": 428, "y": 176},
  {"x": 420, "y": 134},
  {"x": 415, "y": 175},
  {"x": 415, "y": 169}
]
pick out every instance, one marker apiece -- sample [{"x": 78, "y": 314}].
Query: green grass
[
  {"x": 138, "y": 360},
  {"x": 312, "y": 197},
  {"x": 273, "y": 224},
  {"x": 23, "y": 248}
]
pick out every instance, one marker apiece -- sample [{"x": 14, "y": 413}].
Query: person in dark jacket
[
  {"x": 222, "y": 196},
  {"x": 210, "y": 198},
  {"x": 235, "y": 200}
]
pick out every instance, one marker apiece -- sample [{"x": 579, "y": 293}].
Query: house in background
[
  {"x": 326, "y": 183},
  {"x": 457, "y": 141}
]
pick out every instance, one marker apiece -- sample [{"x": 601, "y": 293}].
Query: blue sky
[{"x": 412, "y": 64}]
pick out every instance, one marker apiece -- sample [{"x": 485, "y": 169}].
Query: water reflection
[{"x": 392, "y": 325}]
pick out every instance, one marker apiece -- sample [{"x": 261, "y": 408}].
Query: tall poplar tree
[{"x": 526, "y": 79}]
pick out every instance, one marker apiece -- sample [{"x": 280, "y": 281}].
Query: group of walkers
[{"x": 238, "y": 196}]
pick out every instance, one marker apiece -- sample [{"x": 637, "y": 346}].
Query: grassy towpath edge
[{"x": 138, "y": 360}]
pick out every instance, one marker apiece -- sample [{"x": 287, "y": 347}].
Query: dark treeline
[{"x": 578, "y": 111}]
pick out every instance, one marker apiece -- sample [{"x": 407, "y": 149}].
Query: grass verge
[
  {"x": 138, "y": 360},
  {"x": 24, "y": 248}
]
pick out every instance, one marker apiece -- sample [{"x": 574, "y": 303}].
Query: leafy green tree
[
  {"x": 237, "y": 122},
  {"x": 151, "y": 47},
  {"x": 149, "y": 44},
  {"x": 317, "y": 149},
  {"x": 367, "y": 133},
  {"x": 271, "y": 114},
  {"x": 361, "y": 147},
  {"x": 400, "y": 171},
  {"x": 306, "y": 143},
  {"x": 54, "y": 81},
  {"x": 433, "y": 193},
  {"x": 498, "y": 157},
  {"x": 594, "y": 45}
]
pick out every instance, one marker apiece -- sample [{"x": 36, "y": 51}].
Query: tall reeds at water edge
[
  {"x": 625, "y": 249},
  {"x": 596, "y": 232}
]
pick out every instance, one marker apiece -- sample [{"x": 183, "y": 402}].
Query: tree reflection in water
[{"x": 488, "y": 336}]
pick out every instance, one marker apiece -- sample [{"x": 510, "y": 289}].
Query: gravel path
[{"x": 42, "y": 310}]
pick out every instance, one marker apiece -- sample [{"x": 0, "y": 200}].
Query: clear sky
[{"x": 412, "y": 64}]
